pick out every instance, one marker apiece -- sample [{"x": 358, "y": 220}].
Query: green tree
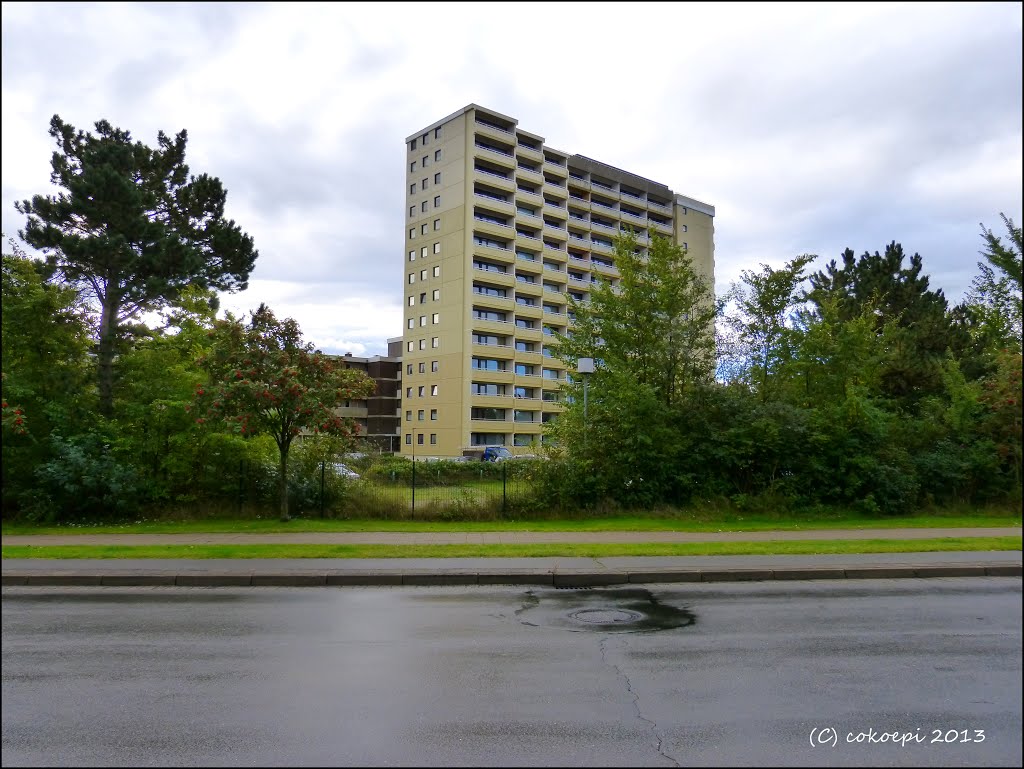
[
  {"x": 132, "y": 228},
  {"x": 994, "y": 297},
  {"x": 263, "y": 378},
  {"x": 766, "y": 302}
]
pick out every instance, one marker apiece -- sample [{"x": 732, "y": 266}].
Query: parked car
[{"x": 344, "y": 471}]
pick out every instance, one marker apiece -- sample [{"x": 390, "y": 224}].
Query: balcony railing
[
  {"x": 602, "y": 204},
  {"x": 490, "y": 173},
  {"x": 495, "y": 150}
]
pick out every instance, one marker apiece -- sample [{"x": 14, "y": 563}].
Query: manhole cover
[{"x": 606, "y": 616}]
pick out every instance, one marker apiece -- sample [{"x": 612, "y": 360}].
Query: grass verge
[
  {"x": 776, "y": 547},
  {"x": 694, "y": 523}
]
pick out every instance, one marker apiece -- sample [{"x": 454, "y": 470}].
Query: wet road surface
[{"x": 717, "y": 674}]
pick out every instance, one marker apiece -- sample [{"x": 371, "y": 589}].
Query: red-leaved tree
[{"x": 263, "y": 378}]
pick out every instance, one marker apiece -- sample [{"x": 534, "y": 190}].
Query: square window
[
  {"x": 437, "y": 271},
  {"x": 433, "y": 439},
  {"x": 420, "y": 415},
  {"x": 435, "y": 341},
  {"x": 423, "y": 184},
  {"x": 408, "y": 440},
  {"x": 433, "y": 389},
  {"x": 419, "y": 391},
  {"x": 434, "y": 365},
  {"x": 437, "y": 294},
  {"x": 433, "y": 415},
  {"x": 423, "y": 298},
  {"x": 437, "y": 155},
  {"x": 423, "y": 252},
  {"x": 419, "y": 439},
  {"x": 408, "y": 416},
  {"x": 423, "y": 229},
  {"x": 423, "y": 207},
  {"x": 437, "y": 201},
  {"x": 437, "y": 178},
  {"x": 423, "y": 368},
  {"x": 437, "y": 248},
  {"x": 412, "y": 189},
  {"x": 435, "y": 318},
  {"x": 437, "y": 224},
  {"x": 412, "y": 301}
]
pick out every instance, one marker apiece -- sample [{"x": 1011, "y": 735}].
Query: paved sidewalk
[{"x": 498, "y": 537}]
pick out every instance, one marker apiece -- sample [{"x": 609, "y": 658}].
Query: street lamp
[{"x": 585, "y": 366}]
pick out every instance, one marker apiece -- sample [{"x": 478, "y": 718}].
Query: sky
[{"x": 811, "y": 127}]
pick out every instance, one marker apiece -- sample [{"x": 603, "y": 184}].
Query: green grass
[
  {"x": 795, "y": 547},
  {"x": 696, "y": 523}
]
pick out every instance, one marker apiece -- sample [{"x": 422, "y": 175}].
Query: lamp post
[{"x": 585, "y": 366}]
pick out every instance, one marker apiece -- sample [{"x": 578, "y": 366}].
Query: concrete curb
[{"x": 564, "y": 579}]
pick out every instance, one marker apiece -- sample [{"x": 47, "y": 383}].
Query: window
[
  {"x": 425, "y": 159},
  {"x": 433, "y": 439},
  {"x": 423, "y": 368},
  {"x": 433, "y": 415},
  {"x": 410, "y": 348},
  {"x": 412, "y": 189},
  {"x": 437, "y": 178},
  {"x": 437, "y": 224},
  {"x": 423, "y": 298},
  {"x": 520, "y": 322},
  {"x": 423, "y": 184},
  {"x": 423, "y": 274},
  {"x": 419, "y": 391},
  {"x": 423, "y": 207},
  {"x": 420, "y": 415},
  {"x": 412, "y": 211},
  {"x": 410, "y": 324},
  {"x": 423, "y": 252},
  {"x": 423, "y": 320},
  {"x": 412, "y": 301},
  {"x": 433, "y": 389},
  {"x": 436, "y": 295},
  {"x": 524, "y": 369},
  {"x": 684, "y": 228},
  {"x": 412, "y": 144},
  {"x": 434, "y": 366},
  {"x": 435, "y": 342},
  {"x": 522, "y": 347},
  {"x": 437, "y": 153},
  {"x": 419, "y": 439},
  {"x": 481, "y": 388},
  {"x": 487, "y": 439},
  {"x": 408, "y": 416},
  {"x": 423, "y": 229},
  {"x": 437, "y": 201},
  {"x": 408, "y": 369},
  {"x": 412, "y": 233},
  {"x": 437, "y": 247},
  {"x": 522, "y": 440},
  {"x": 437, "y": 133},
  {"x": 423, "y": 139},
  {"x": 437, "y": 271},
  {"x": 412, "y": 255},
  {"x": 412, "y": 278},
  {"x": 408, "y": 392},
  {"x": 412, "y": 166},
  {"x": 435, "y": 318},
  {"x": 686, "y": 246},
  {"x": 408, "y": 439}
]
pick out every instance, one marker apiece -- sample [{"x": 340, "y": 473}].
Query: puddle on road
[{"x": 633, "y": 610}]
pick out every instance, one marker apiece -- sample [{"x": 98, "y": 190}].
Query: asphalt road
[{"x": 703, "y": 674}]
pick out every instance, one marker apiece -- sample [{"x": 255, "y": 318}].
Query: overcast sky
[{"x": 810, "y": 127}]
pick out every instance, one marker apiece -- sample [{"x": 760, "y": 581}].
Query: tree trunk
[
  {"x": 282, "y": 483},
  {"x": 105, "y": 357}
]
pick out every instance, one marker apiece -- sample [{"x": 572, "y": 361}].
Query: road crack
[{"x": 603, "y": 645}]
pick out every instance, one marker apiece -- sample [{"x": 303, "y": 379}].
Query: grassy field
[
  {"x": 778, "y": 547},
  {"x": 695, "y": 522}
]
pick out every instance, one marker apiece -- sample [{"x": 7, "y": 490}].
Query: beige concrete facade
[{"x": 500, "y": 230}]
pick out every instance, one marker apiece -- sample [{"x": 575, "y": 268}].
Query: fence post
[
  {"x": 414, "y": 489},
  {"x": 321, "y": 489},
  {"x": 504, "y": 488}
]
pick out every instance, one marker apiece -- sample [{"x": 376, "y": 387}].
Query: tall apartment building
[
  {"x": 501, "y": 229},
  {"x": 378, "y": 416}
]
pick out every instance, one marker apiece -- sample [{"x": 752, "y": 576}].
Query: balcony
[
  {"x": 489, "y": 376},
  {"x": 495, "y": 178},
  {"x": 655, "y": 205},
  {"x": 627, "y": 195},
  {"x": 532, "y": 358},
  {"x": 487, "y": 227},
  {"x": 628, "y": 216},
  {"x": 532, "y": 173},
  {"x": 603, "y": 246},
  {"x": 533, "y": 155},
  {"x": 662, "y": 227},
  {"x": 503, "y": 352},
  {"x": 578, "y": 183},
  {"x": 601, "y": 204},
  {"x": 528, "y": 334},
  {"x": 609, "y": 226},
  {"x": 489, "y": 125},
  {"x": 555, "y": 169},
  {"x": 499, "y": 326},
  {"x": 531, "y": 313},
  {"x": 603, "y": 186}
]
